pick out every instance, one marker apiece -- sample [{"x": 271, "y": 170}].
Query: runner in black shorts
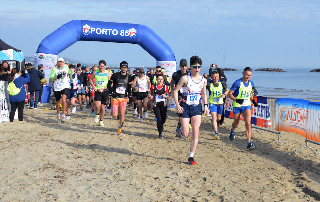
[
  {"x": 176, "y": 76},
  {"x": 142, "y": 84},
  {"x": 101, "y": 77}
]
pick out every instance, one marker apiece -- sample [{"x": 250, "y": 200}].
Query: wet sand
[{"x": 80, "y": 161}]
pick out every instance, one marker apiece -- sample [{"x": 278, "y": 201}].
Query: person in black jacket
[
  {"x": 34, "y": 86},
  {"x": 3, "y": 74}
]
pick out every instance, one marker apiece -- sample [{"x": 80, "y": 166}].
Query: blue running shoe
[
  {"x": 231, "y": 136},
  {"x": 155, "y": 119},
  {"x": 92, "y": 113},
  {"x": 250, "y": 147}
]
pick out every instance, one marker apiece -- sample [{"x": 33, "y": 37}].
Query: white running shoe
[
  {"x": 68, "y": 118},
  {"x": 96, "y": 119},
  {"x": 63, "y": 118},
  {"x": 138, "y": 116},
  {"x": 135, "y": 111},
  {"x": 145, "y": 115},
  {"x": 101, "y": 123},
  {"x": 74, "y": 109},
  {"x": 141, "y": 120}
]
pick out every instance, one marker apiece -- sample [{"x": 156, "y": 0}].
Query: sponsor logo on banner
[
  {"x": 87, "y": 29},
  {"x": 132, "y": 33},
  {"x": 41, "y": 57}
]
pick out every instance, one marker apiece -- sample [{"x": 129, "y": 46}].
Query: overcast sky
[{"x": 231, "y": 33}]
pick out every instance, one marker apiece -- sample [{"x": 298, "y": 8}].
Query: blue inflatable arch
[{"x": 84, "y": 30}]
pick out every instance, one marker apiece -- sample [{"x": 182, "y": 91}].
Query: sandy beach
[{"x": 42, "y": 160}]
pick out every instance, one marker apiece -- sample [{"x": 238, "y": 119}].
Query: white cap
[{"x": 60, "y": 60}]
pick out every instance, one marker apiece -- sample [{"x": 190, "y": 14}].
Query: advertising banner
[
  {"x": 260, "y": 115},
  {"x": 291, "y": 115},
  {"x": 313, "y": 122},
  {"x": 4, "y": 102},
  {"x": 169, "y": 66},
  {"x": 48, "y": 61}
]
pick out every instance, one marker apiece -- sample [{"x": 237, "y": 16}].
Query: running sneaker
[
  {"x": 35, "y": 108},
  {"x": 135, "y": 111},
  {"x": 216, "y": 136},
  {"x": 40, "y": 104},
  {"x": 63, "y": 118},
  {"x": 68, "y": 118},
  {"x": 74, "y": 109},
  {"x": 155, "y": 119},
  {"x": 101, "y": 123},
  {"x": 92, "y": 113},
  {"x": 232, "y": 135},
  {"x": 160, "y": 136},
  {"x": 138, "y": 116},
  {"x": 30, "y": 107},
  {"x": 120, "y": 133},
  {"x": 191, "y": 161},
  {"x": 141, "y": 120},
  {"x": 145, "y": 115},
  {"x": 250, "y": 147},
  {"x": 96, "y": 119}
]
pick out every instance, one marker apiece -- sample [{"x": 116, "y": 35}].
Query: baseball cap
[
  {"x": 60, "y": 60},
  {"x": 183, "y": 62},
  {"x": 141, "y": 70}
]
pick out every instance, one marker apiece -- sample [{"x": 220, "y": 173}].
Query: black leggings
[
  {"x": 14, "y": 106},
  {"x": 160, "y": 110}
]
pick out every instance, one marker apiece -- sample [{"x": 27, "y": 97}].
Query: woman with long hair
[
  {"x": 17, "y": 101},
  {"x": 3, "y": 74}
]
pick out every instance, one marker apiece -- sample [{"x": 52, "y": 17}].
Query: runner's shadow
[{"x": 95, "y": 147}]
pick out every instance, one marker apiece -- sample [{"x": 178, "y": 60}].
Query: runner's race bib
[
  {"x": 246, "y": 102},
  {"x": 100, "y": 83},
  {"x": 193, "y": 99},
  {"x": 142, "y": 89},
  {"x": 159, "y": 98},
  {"x": 217, "y": 99},
  {"x": 121, "y": 90}
]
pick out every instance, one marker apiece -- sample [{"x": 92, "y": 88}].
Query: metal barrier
[{"x": 273, "y": 112}]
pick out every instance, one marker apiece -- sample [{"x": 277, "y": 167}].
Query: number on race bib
[
  {"x": 193, "y": 98},
  {"x": 121, "y": 90},
  {"x": 217, "y": 99},
  {"x": 159, "y": 98},
  {"x": 246, "y": 102},
  {"x": 142, "y": 89}
]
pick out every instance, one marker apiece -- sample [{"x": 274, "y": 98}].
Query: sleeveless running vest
[
  {"x": 215, "y": 94},
  {"x": 101, "y": 80},
  {"x": 191, "y": 94},
  {"x": 142, "y": 85},
  {"x": 158, "y": 92},
  {"x": 121, "y": 87},
  {"x": 244, "y": 93}
]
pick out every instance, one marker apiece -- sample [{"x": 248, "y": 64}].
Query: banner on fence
[
  {"x": 291, "y": 115},
  {"x": 313, "y": 122},
  {"x": 4, "y": 102},
  {"x": 260, "y": 115}
]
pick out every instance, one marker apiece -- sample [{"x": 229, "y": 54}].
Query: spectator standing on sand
[
  {"x": 17, "y": 100},
  {"x": 34, "y": 86}
]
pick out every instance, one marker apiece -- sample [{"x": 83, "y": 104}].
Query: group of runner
[{"x": 187, "y": 88}]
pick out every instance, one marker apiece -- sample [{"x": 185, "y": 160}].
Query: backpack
[{"x": 12, "y": 89}]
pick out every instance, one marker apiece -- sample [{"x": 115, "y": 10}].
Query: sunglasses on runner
[{"x": 196, "y": 67}]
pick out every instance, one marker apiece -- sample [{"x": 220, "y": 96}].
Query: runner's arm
[
  {"x": 182, "y": 82},
  {"x": 134, "y": 83},
  {"x": 91, "y": 80}
]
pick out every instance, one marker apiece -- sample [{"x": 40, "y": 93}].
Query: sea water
[{"x": 294, "y": 83}]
